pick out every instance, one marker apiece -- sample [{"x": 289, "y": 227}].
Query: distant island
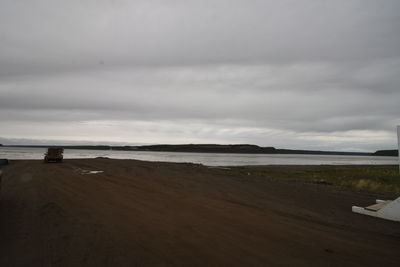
[{"x": 215, "y": 148}]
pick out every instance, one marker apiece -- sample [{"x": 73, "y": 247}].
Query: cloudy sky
[{"x": 305, "y": 74}]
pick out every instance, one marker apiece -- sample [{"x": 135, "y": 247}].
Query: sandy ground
[{"x": 163, "y": 214}]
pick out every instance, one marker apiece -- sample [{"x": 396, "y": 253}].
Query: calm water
[{"x": 210, "y": 159}]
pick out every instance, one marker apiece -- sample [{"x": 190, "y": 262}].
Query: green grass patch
[{"x": 369, "y": 178}]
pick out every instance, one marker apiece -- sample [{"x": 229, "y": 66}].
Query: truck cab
[{"x": 54, "y": 154}]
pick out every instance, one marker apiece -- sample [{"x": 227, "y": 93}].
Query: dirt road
[{"x": 162, "y": 214}]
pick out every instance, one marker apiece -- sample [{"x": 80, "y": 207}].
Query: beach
[{"x": 108, "y": 212}]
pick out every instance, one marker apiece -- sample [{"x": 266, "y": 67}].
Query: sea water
[{"x": 210, "y": 159}]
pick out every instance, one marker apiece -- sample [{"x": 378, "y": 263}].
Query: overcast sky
[{"x": 291, "y": 74}]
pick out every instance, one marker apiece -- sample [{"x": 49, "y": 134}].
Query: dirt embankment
[{"x": 163, "y": 214}]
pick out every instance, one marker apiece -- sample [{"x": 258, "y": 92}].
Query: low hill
[
  {"x": 210, "y": 148},
  {"x": 392, "y": 153},
  {"x": 242, "y": 148},
  {"x": 215, "y": 148}
]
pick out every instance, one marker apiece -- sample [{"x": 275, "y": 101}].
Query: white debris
[
  {"x": 90, "y": 172},
  {"x": 385, "y": 209}
]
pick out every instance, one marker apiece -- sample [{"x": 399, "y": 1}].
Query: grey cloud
[
  {"x": 73, "y": 34},
  {"x": 241, "y": 69},
  {"x": 222, "y": 92}
]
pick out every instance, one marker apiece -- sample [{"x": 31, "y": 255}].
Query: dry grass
[{"x": 378, "y": 179}]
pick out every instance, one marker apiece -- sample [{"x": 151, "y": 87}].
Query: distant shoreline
[{"x": 215, "y": 148}]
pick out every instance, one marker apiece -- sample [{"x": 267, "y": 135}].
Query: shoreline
[{"x": 230, "y": 166}]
